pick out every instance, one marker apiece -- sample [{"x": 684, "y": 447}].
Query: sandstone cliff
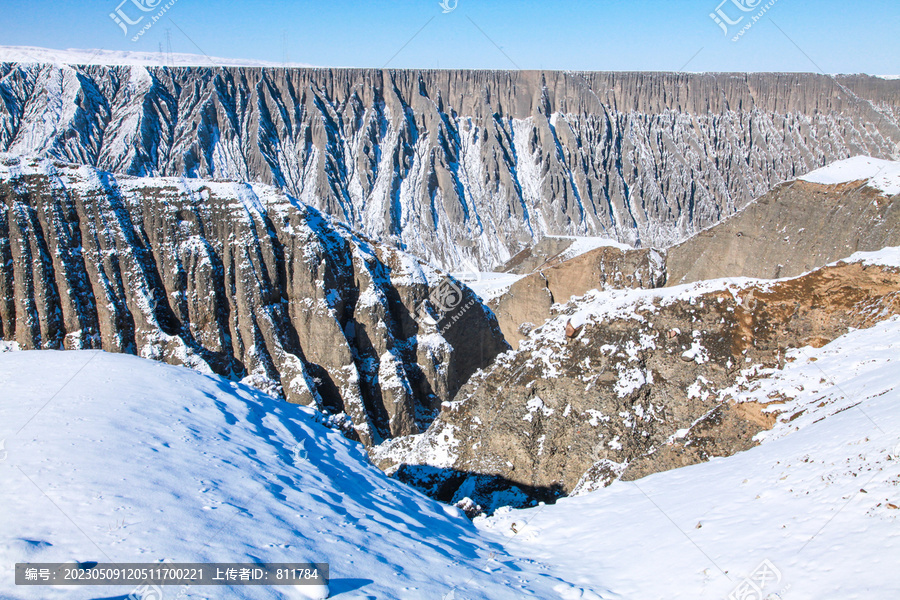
[
  {"x": 797, "y": 227},
  {"x": 456, "y": 165},
  {"x": 238, "y": 279}
]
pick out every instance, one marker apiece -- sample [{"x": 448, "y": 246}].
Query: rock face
[
  {"x": 797, "y": 227},
  {"x": 238, "y": 279},
  {"x": 461, "y": 165},
  {"x": 528, "y": 302},
  {"x": 640, "y": 384}
]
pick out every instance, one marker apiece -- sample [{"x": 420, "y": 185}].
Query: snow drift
[{"x": 194, "y": 468}]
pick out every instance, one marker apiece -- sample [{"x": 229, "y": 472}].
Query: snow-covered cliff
[{"x": 457, "y": 165}]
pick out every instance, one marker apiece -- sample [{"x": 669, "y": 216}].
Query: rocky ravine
[
  {"x": 238, "y": 279},
  {"x": 457, "y": 165},
  {"x": 624, "y": 383}
]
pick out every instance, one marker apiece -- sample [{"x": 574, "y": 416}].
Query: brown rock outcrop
[
  {"x": 527, "y": 303},
  {"x": 637, "y": 390}
]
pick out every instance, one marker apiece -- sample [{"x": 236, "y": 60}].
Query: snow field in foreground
[
  {"x": 198, "y": 469},
  {"x": 203, "y": 470}
]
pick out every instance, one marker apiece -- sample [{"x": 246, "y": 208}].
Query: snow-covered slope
[
  {"x": 883, "y": 175},
  {"x": 122, "y": 459},
  {"x": 78, "y": 56},
  {"x": 583, "y": 245},
  {"x": 492, "y": 285},
  {"x": 133, "y": 460},
  {"x": 818, "y": 498},
  {"x": 599, "y": 306}
]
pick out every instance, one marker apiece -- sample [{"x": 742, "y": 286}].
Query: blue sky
[{"x": 835, "y": 36}]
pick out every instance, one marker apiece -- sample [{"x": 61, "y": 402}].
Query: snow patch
[
  {"x": 77, "y": 56},
  {"x": 883, "y": 175}
]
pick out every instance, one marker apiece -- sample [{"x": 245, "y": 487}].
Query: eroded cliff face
[
  {"x": 238, "y": 279},
  {"x": 461, "y": 165},
  {"x": 625, "y": 383},
  {"x": 796, "y": 227}
]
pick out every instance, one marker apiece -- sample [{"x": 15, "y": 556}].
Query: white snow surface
[
  {"x": 77, "y": 56},
  {"x": 194, "y": 468},
  {"x": 883, "y": 175},
  {"x": 583, "y": 245},
  {"x": 886, "y": 257},
  {"x": 489, "y": 285},
  {"x": 817, "y": 499}
]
